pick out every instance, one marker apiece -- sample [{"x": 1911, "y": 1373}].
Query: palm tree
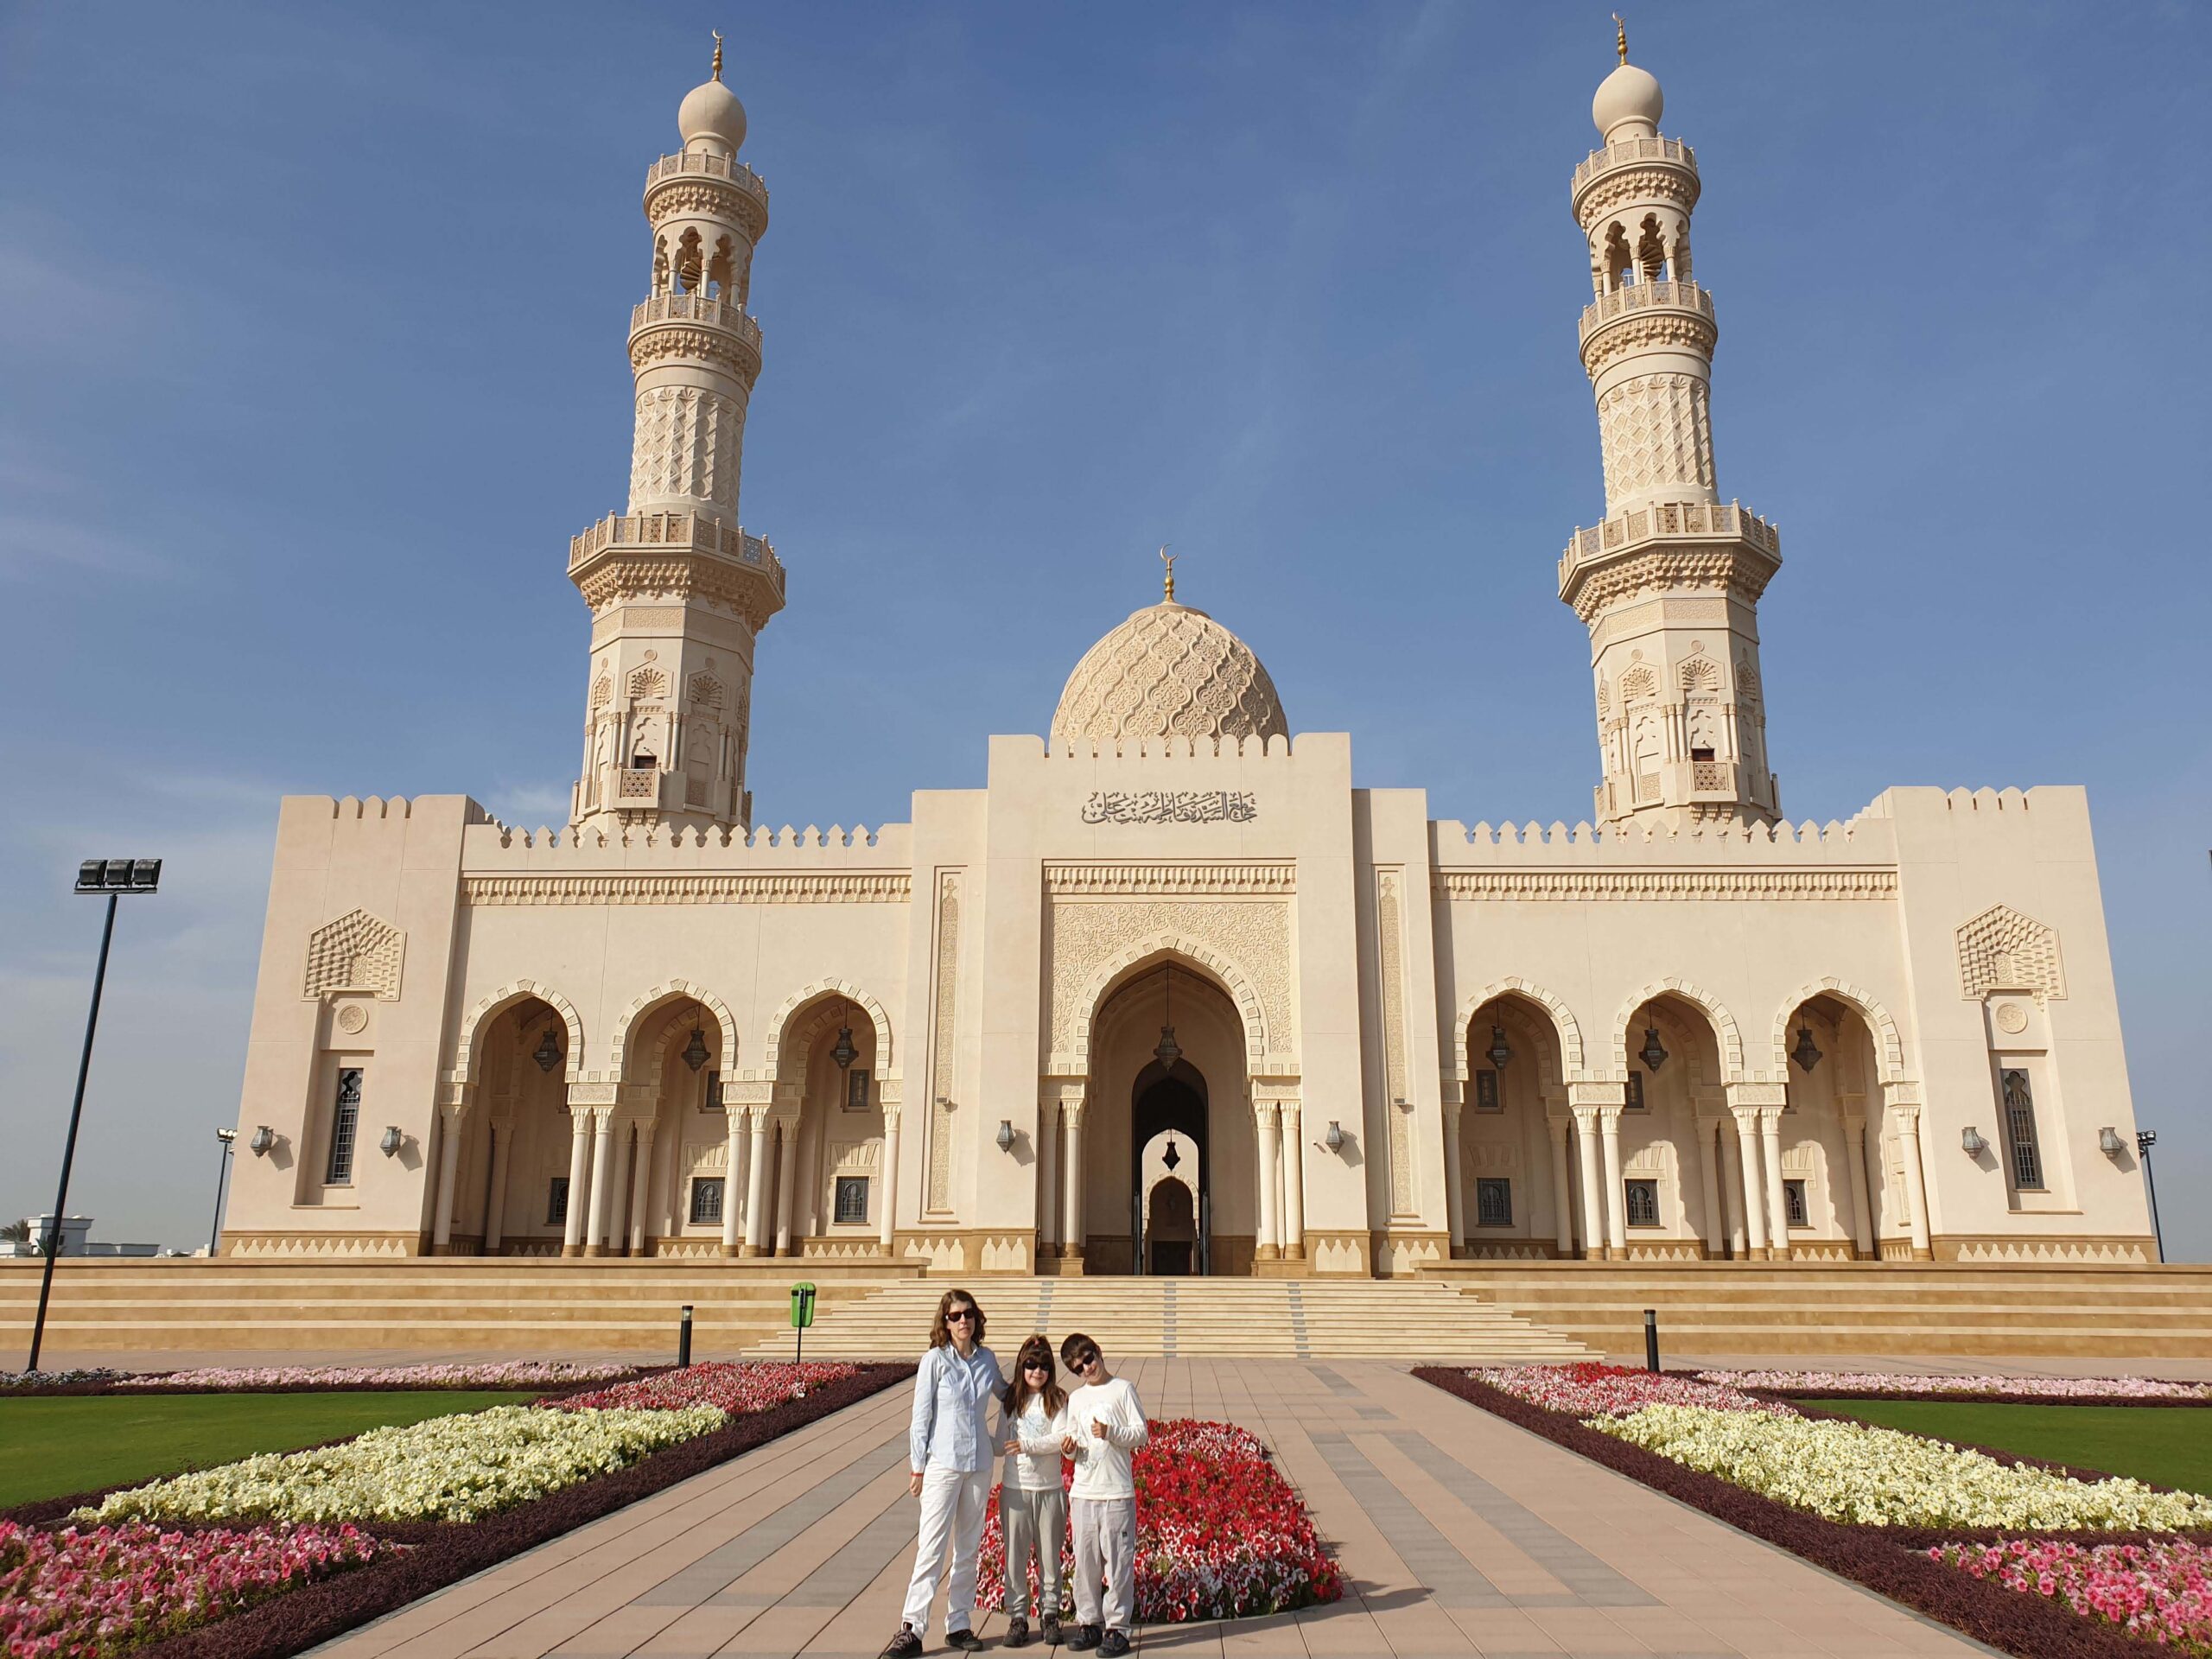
[{"x": 17, "y": 1231}]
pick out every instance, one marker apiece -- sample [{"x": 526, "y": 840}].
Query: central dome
[{"x": 1168, "y": 672}]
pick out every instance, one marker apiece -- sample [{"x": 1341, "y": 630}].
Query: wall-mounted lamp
[
  {"x": 2109, "y": 1143},
  {"x": 264, "y": 1138},
  {"x": 393, "y": 1139},
  {"x": 548, "y": 1054},
  {"x": 1006, "y": 1134},
  {"x": 1334, "y": 1140},
  {"x": 944, "y": 1102},
  {"x": 1970, "y": 1140}
]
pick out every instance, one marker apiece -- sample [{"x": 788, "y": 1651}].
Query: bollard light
[
  {"x": 1651, "y": 1339},
  {"x": 684, "y": 1338}
]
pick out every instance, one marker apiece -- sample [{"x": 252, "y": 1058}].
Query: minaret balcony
[
  {"x": 1637, "y": 299},
  {"x": 717, "y": 171},
  {"x": 1628, "y": 153},
  {"x": 739, "y": 335},
  {"x": 1695, "y": 544},
  {"x": 681, "y": 556}
]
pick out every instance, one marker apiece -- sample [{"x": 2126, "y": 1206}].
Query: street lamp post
[
  {"x": 2145, "y": 1140},
  {"x": 111, "y": 877},
  {"x": 222, "y": 1174}
]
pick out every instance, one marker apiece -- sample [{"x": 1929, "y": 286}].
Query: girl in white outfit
[
  {"x": 951, "y": 1451},
  {"x": 1033, "y": 1502}
]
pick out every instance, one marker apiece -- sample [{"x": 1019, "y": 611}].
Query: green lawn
[
  {"x": 2171, "y": 1445},
  {"x": 51, "y": 1447}
]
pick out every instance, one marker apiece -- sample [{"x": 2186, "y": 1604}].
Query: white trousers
[
  {"x": 952, "y": 1519},
  {"x": 1105, "y": 1547}
]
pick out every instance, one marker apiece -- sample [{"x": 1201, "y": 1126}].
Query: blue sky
[{"x": 311, "y": 360}]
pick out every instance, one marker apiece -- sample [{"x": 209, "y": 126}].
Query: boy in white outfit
[{"x": 1107, "y": 1419}]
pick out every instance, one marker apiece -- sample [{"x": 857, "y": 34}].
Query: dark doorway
[{"x": 1171, "y": 1239}]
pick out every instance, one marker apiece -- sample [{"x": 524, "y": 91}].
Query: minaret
[
  {"x": 1668, "y": 584},
  {"x": 679, "y": 592}
]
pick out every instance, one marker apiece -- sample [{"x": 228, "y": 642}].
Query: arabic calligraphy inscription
[{"x": 1170, "y": 806}]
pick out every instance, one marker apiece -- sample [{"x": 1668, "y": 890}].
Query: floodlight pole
[
  {"x": 69, "y": 1146},
  {"x": 227, "y": 1138}
]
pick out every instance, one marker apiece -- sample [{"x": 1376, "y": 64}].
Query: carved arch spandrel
[
  {"x": 1564, "y": 1025},
  {"x": 674, "y": 991},
  {"x": 1727, "y": 1035},
  {"x": 492, "y": 1005},
  {"x": 1126, "y": 964},
  {"x": 1889, "y": 1046},
  {"x": 781, "y": 1027}
]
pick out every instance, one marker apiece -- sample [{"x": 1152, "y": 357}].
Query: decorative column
[
  {"x": 450, "y": 1121},
  {"x": 756, "y": 1187},
  {"x": 1609, "y": 1127},
  {"x": 619, "y": 1190},
  {"x": 733, "y": 1163},
  {"x": 1904, "y": 1102},
  {"x": 887, "y": 1201},
  {"x": 495, "y": 1200},
  {"x": 786, "y": 1172},
  {"x": 1269, "y": 1247},
  {"x": 641, "y": 1188},
  {"x": 602, "y": 1158},
  {"x": 572, "y": 1223},
  {"x": 1747, "y": 1161},
  {"x": 1562, "y": 1200},
  {"x": 1071, "y": 1190},
  {"x": 1048, "y": 1179},
  {"x": 1716, "y": 1224},
  {"x": 1593, "y": 1211},
  {"x": 1854, "y": 1157},
  {"x": 1455, "y": 1195},
  {"x": 1293, "y": 1186},
  {"x": 1777, "y": 1202}
]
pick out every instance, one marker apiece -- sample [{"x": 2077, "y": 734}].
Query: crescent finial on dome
[
  {"x": 717, "y": 34},
  {"x": 1620, "y": 37},
  {"x": 1168, "y": 559}
]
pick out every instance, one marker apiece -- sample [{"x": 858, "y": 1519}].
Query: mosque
[{"x": 1170, "y": 993}]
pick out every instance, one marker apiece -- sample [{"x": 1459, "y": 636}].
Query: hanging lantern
[
  {"x": 845, "y": 1053},
  {"x": 1170, "y": 1157},
  {"x": 1806, "y": 1054},
  {"x": 695, "y": 1052},
  {"x": 548, "y": 1052},
  {"x": 1499, "y": 1051},
  {"x": 1653, "y": 1052}
]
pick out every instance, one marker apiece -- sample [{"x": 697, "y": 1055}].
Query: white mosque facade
[{"x": 1170, "y": 992}]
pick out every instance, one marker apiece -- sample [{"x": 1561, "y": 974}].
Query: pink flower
[
  {"x": 2161, "y": 1591},
  {"x": 737, "y": 1386},
  {"x": 1589, "y": 1390}
]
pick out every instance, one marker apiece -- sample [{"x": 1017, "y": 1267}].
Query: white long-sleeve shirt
[
  {"x": 1102, "y": 1466},
  {"x": 1036, "y": 1467}
]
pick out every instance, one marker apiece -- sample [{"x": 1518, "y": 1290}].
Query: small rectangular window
[
  {"x": 706, "y": 1199},
  {"x": 852, "y": 1199},
  {"x": 1793, "y": 1203},
  {"x": 1486, "y": 1098},
  {"x": 345, "y": 1124},
  {"x": 1642, "y": 1203},
  {"x": 714, "y": 1092},
  {"x": 2020, "y": 1130},
  {"x": 1701, "y": 754},
  {"x": 1493, "y": 1202},
  {"x": 556, "y": 1201},
  {"x": 1635, "y": 1098},
  {"x": 856, "y": 1082}
]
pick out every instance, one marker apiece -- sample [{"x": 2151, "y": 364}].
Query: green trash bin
[{"x": 802, "y": 1315}]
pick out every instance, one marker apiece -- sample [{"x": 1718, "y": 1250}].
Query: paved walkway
[{"x": 1458, "y": 1533}]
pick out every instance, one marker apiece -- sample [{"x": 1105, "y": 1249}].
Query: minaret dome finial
[
  {"x": 1168, "y": 559},
  {"x": 717, "y": 34},
  {"x": 1620, "y": 40}
]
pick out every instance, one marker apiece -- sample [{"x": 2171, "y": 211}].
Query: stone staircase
[
  {"x": 1137, "y": 1317},
  {"x": 1909, "y": 1309}
]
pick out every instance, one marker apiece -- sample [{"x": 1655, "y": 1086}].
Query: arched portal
[{"x": 1168, "y": 1176}]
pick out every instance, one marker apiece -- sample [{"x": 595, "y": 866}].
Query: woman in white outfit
[{"x": 951, "y": 1451}]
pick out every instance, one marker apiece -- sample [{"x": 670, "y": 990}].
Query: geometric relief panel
[
  {"x": 357, "y": 952},
  {"x": 2001, "y": 949}
]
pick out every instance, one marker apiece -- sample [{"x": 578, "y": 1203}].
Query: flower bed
[
  {"x": 1591, "y": 1389},
  {"x": 80, "y": 1593},
  {"x": 749, "y": 1386},
  {"x": 1902, "y": 1562},
  {"x": 1220, "y": 1533},
  {"x": 2161, "y": 1591},
  {"x": 442, "y": 1499},
  {"x": 315, "y": 1379},
  {"x": 2021, "y": 1390}
]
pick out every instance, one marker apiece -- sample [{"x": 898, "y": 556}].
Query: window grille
[
  {"x": 1793, "y": 1203},
  {"x": 556, "y": 1201},
  {"x": 856, "y": 1086},
  {"x": 1486, "y": 1098},
  {"x": 2020, "y": 1129},
  {"x": 345, "y": 1123},
  {"x": 1642, "y": 1203},
  {"x": 714, "y": 1092},
  {"x": 852, "y": 1198},
  {"x": 706, "y": 1199},
  {"x": 1493, "y": 1202},
  {"x": 1635, "y": 1097}
]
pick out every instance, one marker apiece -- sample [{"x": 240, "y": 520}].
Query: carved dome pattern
[{"x": 1168, "y": 672}]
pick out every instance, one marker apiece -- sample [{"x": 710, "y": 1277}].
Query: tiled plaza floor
[{"x": 1458, "y": 1533}]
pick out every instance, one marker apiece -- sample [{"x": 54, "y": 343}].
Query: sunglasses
[
  {"x": 963, "y": 1314},
  {"x": 1084, "y": 1361},
  {"x": 1038, "y": 1366}
]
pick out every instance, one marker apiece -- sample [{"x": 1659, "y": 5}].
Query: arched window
[{"x": 1651, "y": 249}]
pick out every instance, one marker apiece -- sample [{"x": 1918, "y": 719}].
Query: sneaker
[
  {"x": 1084, "y": 1639},
  {"x": 1114, "y": 1644},
  {"x": 1052, "y": 1629},
  {"x": 905, "y": 1645},
  {"x": 1017, "y": 1631},
  {"x": 968, "y": 1642}
]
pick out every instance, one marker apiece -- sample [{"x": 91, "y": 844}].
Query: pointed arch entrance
[{"x": 1169, "y": 1169}]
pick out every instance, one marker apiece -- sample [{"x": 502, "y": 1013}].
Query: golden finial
[
  {"x": 1620, "y": 38},
  {"x": 718, "y": 53},
  {"x": 1168, "y": 559}
]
